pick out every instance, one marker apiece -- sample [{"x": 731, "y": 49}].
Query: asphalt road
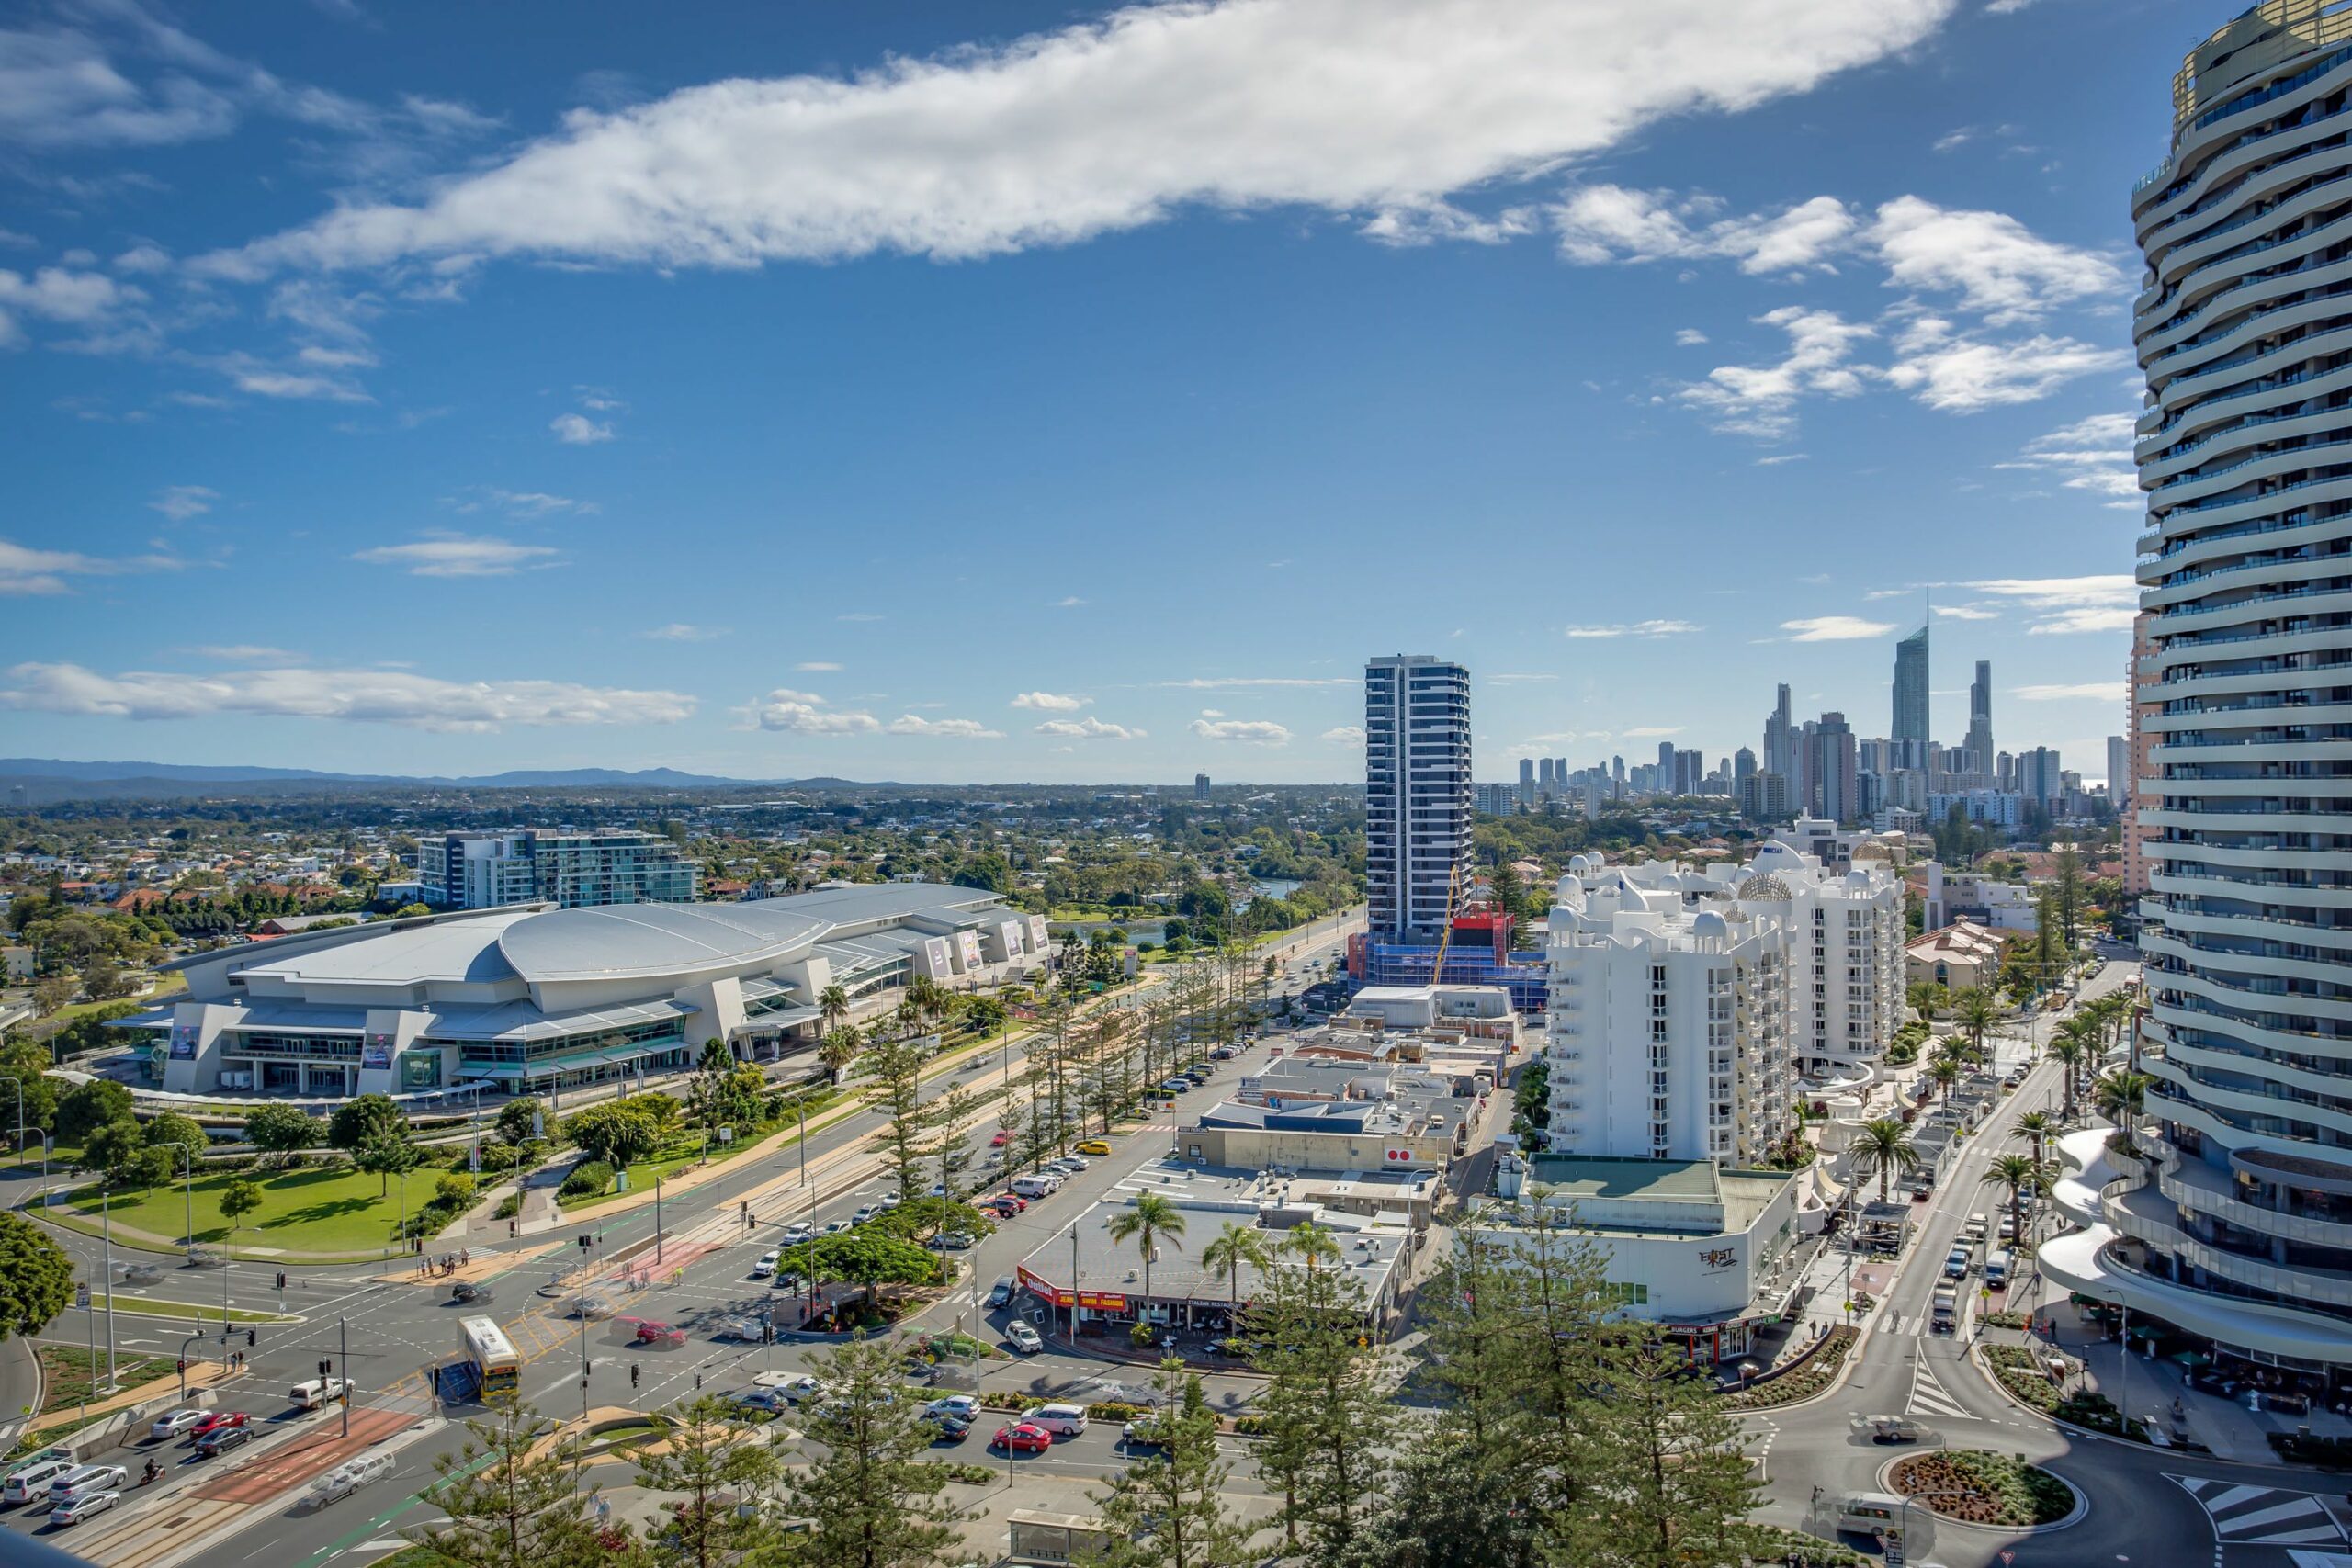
[{"x": 395, "y": 1329}]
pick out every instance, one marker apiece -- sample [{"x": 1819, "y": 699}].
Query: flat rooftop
[{"x": 1570, "y": 1177}]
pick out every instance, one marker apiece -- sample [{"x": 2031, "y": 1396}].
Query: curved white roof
[
  {"x": 615, "y": 940},
  {"x": 459, "y": 950}
]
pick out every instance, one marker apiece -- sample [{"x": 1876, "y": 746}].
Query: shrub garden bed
[
  {"x": 1814, "y": 1373},
  {"x": 1999, "y": 1490}
]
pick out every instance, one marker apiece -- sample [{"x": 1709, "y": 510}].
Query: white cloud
[
  {"x": 1344, "y": 735},
  {"x": 2093, "y": 454},
  {"x": 1606, "y": 222},
  {"x": 1961, "y": 374},
  {"x": 143, "y": 259},
  {"x": 1088, "y": 728},
  {"x": 262, "y": 380},
  {"x": 1777, "y": 459},
  {"x": 26, "y": 570},
  {"x": 246, "y": 653},
  {"x": 1199, "y": 684},
  {"x": 1356, "y": 107},
  {"x": 579, "y": 430},
  {"x": 1067, "y": 602},
  {"x": 1516, "y": 677},
  {"x": 1654, "y": 731},
  {"x": 360, "y": 696},
  {"x": 1256, "y": 732},
  {"x": 1966, "y": 612},
  {"x": 455, "y": 554},
  {"x": 680, "y": 631},
  {"x": 2103, "y": 603},
  {"x": 1636, "y": 628},
  {"x": 1050, "y": 701},
  {"x": 2087, "y": 691},
  {"x": 1834, "y": 628},
  {"x": 816, "y": 667},
  {"x": 1761, "y": 400},
  {"x": 804, "y": 713},
  {"x": 180, "y": 502},
  {"x": 529, "y": 502},
  {"x": 2001, "y": 269},
  {"x": 88, "y": 300},
  {"x": 961, "y": 728},
  {"x": 1689, "y": 337}
]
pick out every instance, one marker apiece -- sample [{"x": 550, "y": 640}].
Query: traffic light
[
  {"x": 252, "y": 1338},
  {"x": 183, "y": 1367},
  {"x": 326, "y": 1368},
  {"x": 281, "y": 1279}
]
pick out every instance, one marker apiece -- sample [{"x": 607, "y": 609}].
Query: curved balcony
[
  {"x": 2147, "y": 1217},
  {"x": 2084, "y": 1261},
  {"x": 2198, "y": 1189}
]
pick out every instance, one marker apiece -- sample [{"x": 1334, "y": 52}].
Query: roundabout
[{"x": 1985, "y": 1489}]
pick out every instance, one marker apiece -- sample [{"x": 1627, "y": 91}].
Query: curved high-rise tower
[{"x": 2235, "y": 1222}]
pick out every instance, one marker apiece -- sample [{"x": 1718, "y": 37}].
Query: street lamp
[{"x": 187, "y": 1176}]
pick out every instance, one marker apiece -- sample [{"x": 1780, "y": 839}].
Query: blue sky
[{"x": 777, "y": 391}]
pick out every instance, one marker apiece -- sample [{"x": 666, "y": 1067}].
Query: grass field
[
  {"x": 168, "y": 986},
  {"x": 314, "y": 1209},
  {"x": 668, "y": 1163},
  {"x": 66, "y": 1373}
]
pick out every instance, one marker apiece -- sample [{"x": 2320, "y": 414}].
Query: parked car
[
  {"x": 220, "y": 1439},
  {"x": 1061, "y": 1420},
  {"x": 1072, "y": 1163},
  {"x": 962, "y": 1406},
  {"x": 1023, "y": 1339},
  {"x": 1223, "y": 1053},
  {"x": 948, "y": 1428},
  {"x": 1000, "y": 1140},
  {"x": 955, "y": 1241},
  {"x": 1011, "y": 1202},
  {"x": 764, "y": 1266},
  {"x": 835, "y": 1227},
  {"x": 890, "y": 1200},
  {"x": 790, "y": 1282},
  {"x": 797, "y": 1388},
  {"x": 73, "y": 1510},
  {"x": 175, "y": 1424},
  {"x": 215, "y": 1420},
  {"x": 1177, "y": 1085},
  {"x": 1022, "y": 1438},
  {"x": 1096, "y": 1146}
]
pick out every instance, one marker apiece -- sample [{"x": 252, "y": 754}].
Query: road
[
  {"x": 234, "y": 1511},
  {"x": 2138, "y": 1513}
]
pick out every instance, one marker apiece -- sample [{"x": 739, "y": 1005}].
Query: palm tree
[
  {"x": 2120, "y": 1094},
  {"x": 1881, "y": 1148},
  {"x": 832, "y": 1007},
  {"x": 1235, "y": 1246},
  {"x": 2070, "y": 1050},
  {"x": 1150, "y": 1219},
  {"x": 1312, "y": 1242},
  {"x": 838, "y": 1049},
  {"x": 2040, "y": 1126},
  {"x": 1977, "y": 1013},
  {"x": 2019, "y": 1174},
  {"x": 1946, "y": 1073}
]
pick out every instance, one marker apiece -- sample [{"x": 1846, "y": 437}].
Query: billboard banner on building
[
  {"x": 377, "y": 1052},
  {"x": 1043, "y": 1292},
  {"x": 967, "y": 943},
  {"x": 184, "y": 1042}
]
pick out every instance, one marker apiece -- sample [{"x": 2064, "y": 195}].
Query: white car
[
  {"x": 835, "y": 1227},
  {"x": 1072, "y": 1163},
  {"x": 73, "y": 1510},
  {"x": 798, "y": 1230},
  {"x": 175, "y": 1424},
  {"x": 871, "y": 1212},
  {"x": 765, "y": 1265},
  {"x": 88, "y": 1478},
  {"x": 799, "y": 1390},
  {"x": 963, "y": 1406},
  {"x": 1023, "y": 1339},
  {"x": 891, "y": 1201},
  {"x": 33, "y": 1481}
]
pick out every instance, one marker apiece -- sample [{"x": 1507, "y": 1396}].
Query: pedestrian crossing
[
  {"x": 2261, "y": 1515},
  {"x": 1929, "y": 1397}
]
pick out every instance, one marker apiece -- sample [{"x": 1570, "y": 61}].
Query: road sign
[
  {"x": 2007, "y": 1557},
  {"x": 82, "y": 1296}
]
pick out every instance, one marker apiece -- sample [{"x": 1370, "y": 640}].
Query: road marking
[
  {"x": 2261, "y": 1515},
  {"x": 1929, "y": 1397}
]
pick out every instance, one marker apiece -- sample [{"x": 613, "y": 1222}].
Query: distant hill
[{"x": 34, "y": 780}]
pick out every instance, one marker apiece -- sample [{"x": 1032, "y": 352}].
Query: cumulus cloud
[
  {"x": 180, "y": 502},
  {"x": 1761, "y": 400},
  {"x": 579, "y": 430},
  {"x": 1834, "y": 628},
  {"x": 1050, "y": 701},
  {"x": 1087, "y": 728},
  {"x": 680, "y": 631},
  {"x": 2101, "y": 602},
  {"x": 359, "y": 697},
  {"x": 26, "y": 570},
  {"x": 1963, "y": 372},
  {"x": 960, "y": 728},
  {"x": 2087, "y": 691},
  {"x": 1611, "y": 223},
  {"x": 2093, "y": 454},
  {"x": 1635, "y": 628},
  {"x": 90, "y": 302},
  {"x": 455, "y": 554},
  {"x": 2000, "y": 269},
  {"x": 806, "y": 713},
  {"x": 1344, "y": 735},
  {"x": 1376, "y": 109},
  {"x": 1253, "y": 731}
]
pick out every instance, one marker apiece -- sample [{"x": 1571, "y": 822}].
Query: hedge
[{"x": 588, "y": 1176}]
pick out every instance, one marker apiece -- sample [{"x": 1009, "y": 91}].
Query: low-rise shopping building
[{"x": 1314, "y": 1113}]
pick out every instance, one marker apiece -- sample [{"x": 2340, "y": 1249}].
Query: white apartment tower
[
  {"x": 1417, "y": 792},
  {"x": 1845, "y": 978},
  {"x": 2240, "y": 1228},
  {"x": 1666, "y": 1030}
]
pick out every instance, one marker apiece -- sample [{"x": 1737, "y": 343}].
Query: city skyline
[{"x": 334, "y": 448}]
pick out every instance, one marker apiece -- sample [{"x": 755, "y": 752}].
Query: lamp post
[
  {"x": 1902, "y": 1552},
  {"x": 105, "y": 1224},
  {"x": 187, "y": 1192},
  {"x": 1073, "y": 1284},
  {"x": 657, "y": 1219}
]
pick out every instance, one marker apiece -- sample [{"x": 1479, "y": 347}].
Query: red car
[
  {"x": 1008, "y": 1203},
  {"x": 1023, "y": 1438},
  {"x": 219, "y": 1421},
  {"x": 1000, "y": 1140},
  {"x": 659, "y": 1333}
]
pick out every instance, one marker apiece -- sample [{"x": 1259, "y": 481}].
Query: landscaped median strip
[{"x": 153, "y": 1306}]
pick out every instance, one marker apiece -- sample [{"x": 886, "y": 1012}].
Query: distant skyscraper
[
  {"x": 1780, "y": 732},
  {"x": 1527, "y": 781},
  {"x": 1980, "y": 718},
  {"x": 2037, "y": 772},
  {"x": 1665, "y": 778},
  {"x": 1547, "y": 777},
  {"x": 2119, "y": 771},
  {"x": 1910, "y": 732},
  {"x": 1831, "y": 772},
  {"x": 1743, "y": 768},
  {"x": 1417, "y": 792},
  {"x": 1200, "y": 786}
]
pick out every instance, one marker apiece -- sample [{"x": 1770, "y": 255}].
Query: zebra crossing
[
  {"x": 1929, "y": 1397},
  {"x": 2261, "y": 1515}
]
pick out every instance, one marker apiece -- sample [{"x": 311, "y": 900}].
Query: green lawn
[
  {"x": 313, "y": 1209},
  {"x": 667, "y": 1162},
  {"x": 65, "y": 1372},
  {"x": 170, "y": 985}
]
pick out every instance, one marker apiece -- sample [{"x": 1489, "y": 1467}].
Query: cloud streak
[{"x": 355, "y": 696}]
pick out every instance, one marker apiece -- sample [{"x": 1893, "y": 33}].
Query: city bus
[{"x": 496, "y": 1366}]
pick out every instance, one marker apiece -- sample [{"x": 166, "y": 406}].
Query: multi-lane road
[{"x": 252, "y": 1506}]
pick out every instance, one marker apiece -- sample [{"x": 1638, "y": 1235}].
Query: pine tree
[
  {"x": 510, "y": 1502},
  {"x": 896, "y": 1093},
  {"x": 1166, "y": 1509},
  {"x": 707, "y": 1458},
  {"x": 1676, "y": 1487},
  {"x": 870, "y": 1497},
  {"x": 1328, "y": 1420}
]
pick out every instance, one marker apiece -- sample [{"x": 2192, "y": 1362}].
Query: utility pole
[
  {"x": 343, "y": 1367},
  {"x": 657, "y": 1219},
  {"x": 106, "y": 1221}
]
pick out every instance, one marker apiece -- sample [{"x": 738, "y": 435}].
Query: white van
[
  {"x": 1973, "y": 1232},
  {"x": 1061, "y": 1420},
  {"x": 1035, "y": 1187},
  {"x": 33, "y": 1480},
  {"x": 350, "y": 1477},
  {"x": 1997, "y": 1267},
  {"x": 1943, "y": 1316},
  {"x": 317, "y": 1392}
]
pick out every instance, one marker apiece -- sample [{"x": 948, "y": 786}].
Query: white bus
[
  {"x": 1878, "y": 1514},
  {"x": 496, "y": 1366}
]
